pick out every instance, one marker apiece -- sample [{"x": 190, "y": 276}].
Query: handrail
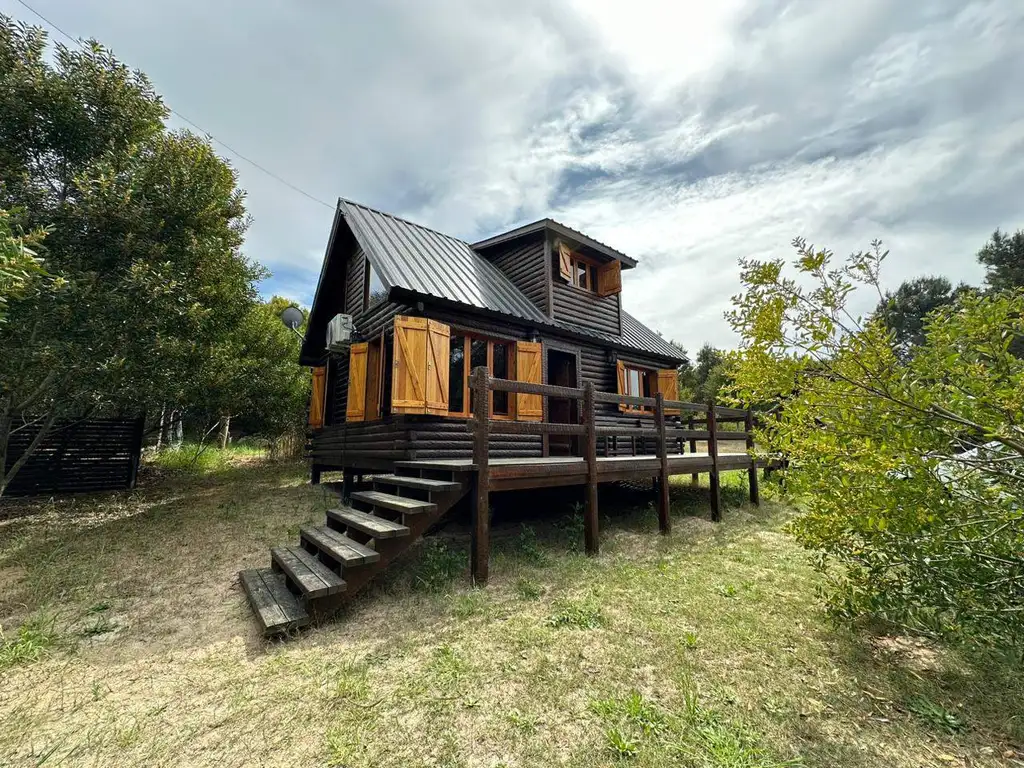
[
  {"x": 528, "y": 388},
  {"x": 665, "y": 435}
]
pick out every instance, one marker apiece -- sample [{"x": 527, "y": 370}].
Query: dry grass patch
[{"x": 702, "y": 649}]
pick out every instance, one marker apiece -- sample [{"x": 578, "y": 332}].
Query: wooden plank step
[
  {"x": 339, "y": 546},
  {"x": 451, "y": 465},
  {"x": 397, "y": 503},
  {"x": 277, "y": 609},
  {"x": 372, "y": 525},
  {"x": 311, "y": 576},
  {"x": 420, "y": 483}
]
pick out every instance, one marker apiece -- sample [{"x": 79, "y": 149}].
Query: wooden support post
[
  {"x": 314, "y": 474},
  {"x": 694, "y": 478},
  {"x": 716, "y": 494},
  {"x": 480, "y": 547},
  {"x": 348, "y": 480},
  {"x": 755, "y": 493},
  {"x": 664, "y": 518},
  {"x": 590, "y": 518}
]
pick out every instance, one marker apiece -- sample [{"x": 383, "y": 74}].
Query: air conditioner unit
[{"x": 339, "y": 333}]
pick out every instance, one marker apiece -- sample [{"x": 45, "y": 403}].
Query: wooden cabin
[
  {"x": 472, "y": 369},
  {"x": 541, "y": 303}
]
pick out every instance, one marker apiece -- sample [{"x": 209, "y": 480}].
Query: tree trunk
[
  {"x": 225, "y": 431},
  {"x": 177, "y": 428},
  {"x": 161, "y": 432},
  {"x": 5, "y": 432}
]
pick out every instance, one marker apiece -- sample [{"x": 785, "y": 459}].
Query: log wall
[{"x": 523, "y": 264}]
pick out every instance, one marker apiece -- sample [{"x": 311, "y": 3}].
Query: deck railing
[{"x": 665, "y": 438}]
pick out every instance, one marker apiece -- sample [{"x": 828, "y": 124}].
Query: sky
[{"x": 686, "y": 134}]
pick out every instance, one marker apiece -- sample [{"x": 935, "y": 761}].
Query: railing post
[
  {"x": 755, "y": 493},
  {"x": 480, "y": 547},
  {"x": 695, "y": 477},
  {"x": 590, "y": 519},
  {"x": 716, "y": 495},
  {"x": 664, "y": 518}
]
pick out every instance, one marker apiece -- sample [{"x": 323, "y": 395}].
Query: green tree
[
  {"x": 910, "y": 471},
  {"x": 904, "y": 310},
  {"x": 20, "y": 267},
  {"x": 144, "y": 246},
  {"x": 1003, "y": 257},
  {"x": 702, "y": 382}
]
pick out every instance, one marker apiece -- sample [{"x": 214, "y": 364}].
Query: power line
[{"x": 199, "y": 128}]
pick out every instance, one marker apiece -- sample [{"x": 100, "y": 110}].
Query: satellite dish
[{"x": 292, "y": 317}]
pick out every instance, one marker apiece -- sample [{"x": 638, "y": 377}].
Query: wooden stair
[{"x": 359, "y": 539}]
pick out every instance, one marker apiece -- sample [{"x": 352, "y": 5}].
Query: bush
[{"x": 911, "y": 470}]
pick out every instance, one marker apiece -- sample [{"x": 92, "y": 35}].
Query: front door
[{"x": 562, "y": 373}]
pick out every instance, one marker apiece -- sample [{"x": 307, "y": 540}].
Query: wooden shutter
[
  {"x": 620, "y": 371},
  {"x": 317, "y": 397},
  {"x": 408, "y": 379},
  {"x": 436, "y": 374},
  {"x": 668, "y": 385},
  {"x": 609, "y": 279},
  {"x": 564, "y": 262},
  {"x": 355, "y": 409},
  {"x": 528, "y": 368}
]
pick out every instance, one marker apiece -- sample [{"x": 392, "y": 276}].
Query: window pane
[
  {"x": 477, "y": 357},
  {"x": 457, "y": 374},
  {"x": 375, "y": 291},
  {"x": 634, "y": 382},
  {"x": 646, "y": 378},
  {"x": 581, "y": 275},
  {"x": 500, "y": 371}
]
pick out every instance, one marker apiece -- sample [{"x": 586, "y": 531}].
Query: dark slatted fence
[{"x": 98, "y": 454}]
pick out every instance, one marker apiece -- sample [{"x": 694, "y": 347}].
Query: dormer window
[
  {"x": 583, "y": 274},
  {"x": 587, "y": 274}
]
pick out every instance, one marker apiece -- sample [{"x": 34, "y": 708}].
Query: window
[
  {"x": 469, "y": 352},
  {"x": 457, "y": 375},
  {"x": 374, "y": 291},
  {"x": 583, "y": 274},
  {"x": 639, "y": 382},
  {"x": 500, "y": 369}
]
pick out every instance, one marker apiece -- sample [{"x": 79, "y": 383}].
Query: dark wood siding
[
  {"x": 368, "y": 326},
  {"x": 582, "y": 308},
  {"x": 523, "y": 264},
  {"x": 355, "y": 271}
]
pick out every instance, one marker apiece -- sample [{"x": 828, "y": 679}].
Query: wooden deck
[{"x": 552, "y": 471}]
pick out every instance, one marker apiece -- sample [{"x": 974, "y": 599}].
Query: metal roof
[
  {"x": 635, "y": 335},
  {"x": 416, "y": 258},
  {"x": 420, "y": 260}
]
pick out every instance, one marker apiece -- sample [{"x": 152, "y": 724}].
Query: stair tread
[
  {"x": 339, "y": 546},
  {"x": 311, "y": 576},
  {"x": 397, "y": 503},
  {"x": 277, "y": 609},
  {"x": 422, "y": 483},
  {"x": 375, "y": 526}
]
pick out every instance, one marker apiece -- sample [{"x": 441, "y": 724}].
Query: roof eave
[
  {"x": 306, "y": 354},
  {"x": 404, "y": 295},
  {"x": 558, "y": 229}
]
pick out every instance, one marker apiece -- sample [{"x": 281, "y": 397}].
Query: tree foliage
[
  {"x": 903, "y": 311},
  {"x": 911, "y": 470},
  {"x": 151, "y": 300},
  {"x": 702, "y": 382},
  {"x": 20, "y": 267},
  {"x": 1003, "y": 257}
]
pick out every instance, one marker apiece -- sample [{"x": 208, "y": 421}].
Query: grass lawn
[{"x": 128, "y": 642}]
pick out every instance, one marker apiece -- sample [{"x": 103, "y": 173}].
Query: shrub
[{"x": 911, "y": 470}]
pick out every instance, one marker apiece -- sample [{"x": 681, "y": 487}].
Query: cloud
[{"x": 686, "y": 134}]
